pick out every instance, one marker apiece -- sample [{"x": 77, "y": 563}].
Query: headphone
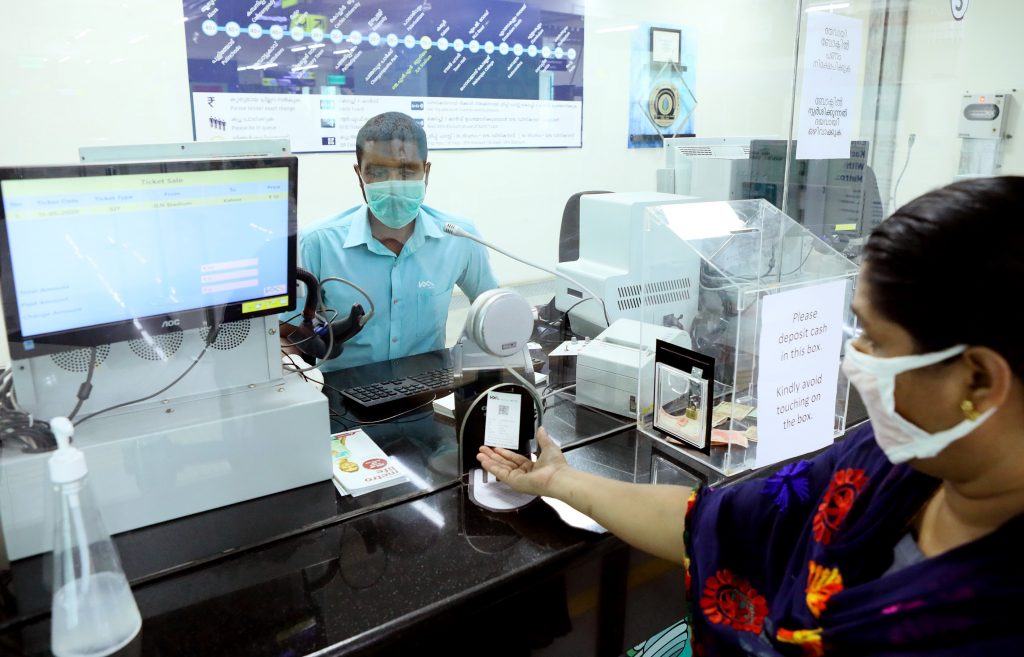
[{"x": 316, "y": 337}]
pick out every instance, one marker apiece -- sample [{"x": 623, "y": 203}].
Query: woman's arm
[{"x": 648, "y": 517}]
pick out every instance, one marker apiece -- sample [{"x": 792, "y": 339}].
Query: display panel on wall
[
  {"x": 662, "y": 83},
  {"x": 475, "y": 74}
]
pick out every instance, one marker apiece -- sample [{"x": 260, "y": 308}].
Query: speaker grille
[
  {"x": 77, "y": 360},
  {"x": 232, "y": 334},
  {"x": 161, "y": 347}
]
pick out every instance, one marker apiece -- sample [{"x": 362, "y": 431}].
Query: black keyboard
[{"x": 387, "y": 398}]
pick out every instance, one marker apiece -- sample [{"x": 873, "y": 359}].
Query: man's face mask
[
  {"x": 395, "y": 202},
  {"x": 875, "y": 380}
]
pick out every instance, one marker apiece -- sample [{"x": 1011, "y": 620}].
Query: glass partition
[{"x": 832, "y": 112}]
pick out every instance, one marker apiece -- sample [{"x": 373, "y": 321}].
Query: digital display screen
[{"x": 93, "y": 250}]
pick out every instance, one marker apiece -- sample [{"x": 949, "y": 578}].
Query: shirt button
[
  {"x": 396, "y": 302},
  {"x": 394, "y": 339}
]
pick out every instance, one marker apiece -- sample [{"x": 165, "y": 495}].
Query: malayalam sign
[{"x": 829, "y": 91}]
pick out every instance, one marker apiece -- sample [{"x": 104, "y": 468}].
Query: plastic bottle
[{"x": 93, "y": 610}]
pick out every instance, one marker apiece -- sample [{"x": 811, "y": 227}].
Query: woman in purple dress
[{"x": 907, "y": 537}]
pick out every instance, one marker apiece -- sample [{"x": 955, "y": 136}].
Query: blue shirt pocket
[{"x": 431, "y": 315}]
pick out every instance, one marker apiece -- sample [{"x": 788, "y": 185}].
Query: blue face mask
[{"x": 395, "y": 202}]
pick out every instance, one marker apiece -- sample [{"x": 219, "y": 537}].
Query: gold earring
[{"x": 967, "y": 406}]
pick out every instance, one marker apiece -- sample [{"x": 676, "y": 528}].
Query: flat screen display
[{"x": 100, "y": 253}]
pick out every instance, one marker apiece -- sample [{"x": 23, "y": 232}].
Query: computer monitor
[
  {"x": 710, "y": 168},
  {"x": 836, "y": 199},
  {"x": 651, "y": 283},
  {"x": 94, "y": 254}
]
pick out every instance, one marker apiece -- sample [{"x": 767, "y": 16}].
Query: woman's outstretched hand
[{"x": 519, "y": 472}]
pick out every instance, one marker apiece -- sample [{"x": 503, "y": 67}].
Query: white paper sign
[
  {"x": 798, "y": 370},
  {"x": 502, "y": 426},
  {"x": 829, "y": 92}
]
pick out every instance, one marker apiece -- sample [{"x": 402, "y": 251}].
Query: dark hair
[
  {"x": 946, "y": 265},
  {"x": 389, "y": 126}
]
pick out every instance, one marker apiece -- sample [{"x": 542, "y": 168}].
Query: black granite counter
[
  {"x": 308, "y": 570},
  {"x": 346, "y": 586}
]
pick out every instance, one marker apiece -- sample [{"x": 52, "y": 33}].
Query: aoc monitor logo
[{"x": 169, "y": 323}]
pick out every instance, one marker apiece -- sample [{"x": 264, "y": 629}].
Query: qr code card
[{"x": 502, "y": 426}]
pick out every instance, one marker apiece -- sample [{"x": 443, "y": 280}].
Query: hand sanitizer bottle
[{"x": 93, "y": 610}]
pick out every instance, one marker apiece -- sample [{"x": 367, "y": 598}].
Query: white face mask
[{"x": 875, "y": 380}]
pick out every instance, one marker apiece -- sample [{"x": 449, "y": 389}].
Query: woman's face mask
[{"x": 875, "y": 380}]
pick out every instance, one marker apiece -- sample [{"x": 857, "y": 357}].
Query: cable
[
  {"x": 211, "y": 337},
  {"x": 330, "y": 346},
  {"x": 86, "y": 388},
  {"x": 751, "y": 278},
  {"x": 330, "y": 387},
  {"x": 322, "y": 318},
  {"x": 802, "y": 262},
  {"x": 452, "y": 229},
  {"x": 910, "y": 146},
  {"x": 19, "y": 425},
  {"x": 373, "y": 308},
  {"x": 289, "y": 320},
  {"x": 396, "y": 415},
  {"x": 557, "y": 390},
  {"x": 34, "y": 434},
  {"x": 568, "y": 323}
]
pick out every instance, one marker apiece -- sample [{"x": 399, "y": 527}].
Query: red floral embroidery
[
  {"x": 809, "y": 640},
  {"x": 686, "y": 533},
  {"x": 690, "y": 501},
  {"x": 822, "y": 584},
  {"x": 842, "y": 491},
  {"x": 732, "y": 601}
]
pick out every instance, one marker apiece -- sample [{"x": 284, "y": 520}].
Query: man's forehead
[{"x": 403, "y": 150}]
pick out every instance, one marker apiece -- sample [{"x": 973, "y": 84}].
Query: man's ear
[
  {"x": 359, "y": 177},
  {"x": 426, "y": 172}
]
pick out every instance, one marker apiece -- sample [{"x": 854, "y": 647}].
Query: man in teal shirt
[{"x": 394, "y": 248}]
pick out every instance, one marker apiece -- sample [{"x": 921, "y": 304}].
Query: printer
[{"x": 615, "y": 370}]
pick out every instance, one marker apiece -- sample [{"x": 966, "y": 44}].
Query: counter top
[{"x": 307, "y": 570}]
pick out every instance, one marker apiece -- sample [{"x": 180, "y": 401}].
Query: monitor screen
[
  {"x": 833, "y": 198},
  {"x": 93, "y": 254}
]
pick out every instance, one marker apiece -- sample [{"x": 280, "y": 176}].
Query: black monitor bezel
[{"x": 129, "y": 329}]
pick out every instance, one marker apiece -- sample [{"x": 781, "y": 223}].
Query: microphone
[{"x": 452, "y": 229}]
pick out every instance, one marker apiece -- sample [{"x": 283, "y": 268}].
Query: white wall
[
  {"x": 112, "y": 72},
  {"x": 944, "y": 59},
  {"x": 108, "y": 72}
]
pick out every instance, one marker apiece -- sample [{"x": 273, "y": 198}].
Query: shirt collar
[{"x": 359, "y": 231}]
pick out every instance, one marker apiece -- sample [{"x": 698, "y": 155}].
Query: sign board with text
[
  {"x": 478, "y": 74},
  {"x": 798, "y": 370},
  {"x": 828, "y": 95}
]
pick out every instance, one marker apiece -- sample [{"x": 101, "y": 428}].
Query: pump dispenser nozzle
[{"x": 68, "y": 463}]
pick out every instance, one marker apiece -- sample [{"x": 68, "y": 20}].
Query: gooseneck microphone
[{"x": 452, "y": 229}]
